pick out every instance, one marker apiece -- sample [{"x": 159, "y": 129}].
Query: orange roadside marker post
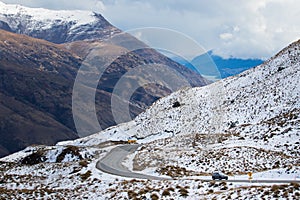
[{"x": 250, "y": 176}]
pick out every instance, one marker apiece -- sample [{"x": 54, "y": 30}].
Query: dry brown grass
[{"x": 86, "y": 175}]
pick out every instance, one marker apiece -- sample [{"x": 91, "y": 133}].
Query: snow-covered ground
[
  {"x": 246, "y": 123},
  {"x": 261, "y": 103},
  {"x": 229, "y": 156}
]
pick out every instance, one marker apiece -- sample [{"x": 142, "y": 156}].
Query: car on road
[{"x": 218, "y": 175}]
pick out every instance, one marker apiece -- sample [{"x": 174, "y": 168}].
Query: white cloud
[
  {"x": 226, "y": 36},
  {"x": 256, "y": 28}
]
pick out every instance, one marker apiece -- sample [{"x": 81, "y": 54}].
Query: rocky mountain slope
[
  {"x": 246, "y": 123},
  {"x": 34, "y": 89},
  {"x": 38, "y": 75}
]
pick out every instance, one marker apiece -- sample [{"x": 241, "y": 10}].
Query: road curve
[{"x": 112, "y": 163}]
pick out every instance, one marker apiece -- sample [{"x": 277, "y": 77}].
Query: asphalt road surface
[{"x": 112, "y": 164}]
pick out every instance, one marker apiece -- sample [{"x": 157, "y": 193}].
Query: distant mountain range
[
  {"x": 216, "y": 67},
  {"x": 41, "y": 52}
]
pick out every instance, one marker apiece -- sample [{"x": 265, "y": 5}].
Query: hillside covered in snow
[
  {"x": 261, "y": 103},
  {"x": 246, "y": 123}
]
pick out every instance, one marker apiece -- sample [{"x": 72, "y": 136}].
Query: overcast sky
[{"x": 238, "y": 28}]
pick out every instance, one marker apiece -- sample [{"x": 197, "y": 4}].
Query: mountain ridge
[
  {"x": 216, "y": 67},
  {"x": 39, "y": 54}
]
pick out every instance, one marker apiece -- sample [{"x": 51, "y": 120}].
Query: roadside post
[{"x": 250, "y": 176}]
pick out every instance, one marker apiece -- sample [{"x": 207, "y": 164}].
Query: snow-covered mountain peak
[
  {"x": 78, "y": 17},
  {"x": 56, "y": 26}
]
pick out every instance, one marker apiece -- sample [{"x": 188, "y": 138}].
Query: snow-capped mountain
[
  {"x": 246, "y": 123},
  {"x": 57, "y": 26},
  {"x": 23, "y": 50}
]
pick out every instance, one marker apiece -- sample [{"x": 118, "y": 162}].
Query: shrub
[
  {"x": 176, "y": 104},
  {"x": 266, "y": 192},
  {"x": 183, "y": 192},
  {"x": 223, "y": 183},
  {"x": 86, "y": 175},
  {"x": 34, "y": 158},
  {"x": 166, "y": 193},
  {"x": 280, "y": 69},
  {"x": 75, "y": 170},
  {"x": 275, "y": 195},
  {"x": 173, "y": 171},
  {"x": 212, "y": 183},
  {"x": 143, "y": 191},
  {"x": 274, "y": 188},
  {"x": 224, "y": 188},
  {"x": 83, "y": 163},
  {"x": 295, "y": 185},
  {"x": 232, "y": 124},
  {"x": 285, "y": 195},
  {"x": 73, "y": 150},
  {"x": 131, "y": 194},
  {"x": 154, "y": 196},
  {"x": 200, "y": 186}
]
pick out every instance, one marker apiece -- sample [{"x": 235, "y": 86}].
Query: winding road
[{"x": 112, "y": 164}]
